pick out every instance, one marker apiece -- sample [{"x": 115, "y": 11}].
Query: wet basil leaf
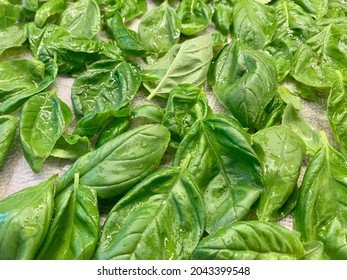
[
  {"x": 114, "y": 128},
  {"x": 337, "y": 112},
  {"x": 30, "y": 5},
  {"x": 25, "y": 218},
  {"x": 222, "y": 15},
  {"x": 321, "y": 210},
  {"x": 183, "y": 63},
  {"x": 252, "y": 240},
  {"x": 253, "y": 23},
  {"x": 44, "y": 118},
  {"x": 314, "y": 250},
  {"x": 245, "y": 85},
  {"x": 121, "y": 163},
  {"x": 289, "y": 97},
  {"x": 131, "y": 9},
  {"x": 195, "y": 16},
  {"x": 82, "y": 19},
  {"x": 74, "y": 231},
  {"x": 316, "y": 8},
  {"x": 8, "y": 127},
  {"x": 9, "y": 14},
  {"x": 281, "y": 153},
  {"x": 160, "y": 28},
  {"x": 161, "y": 218},
  {"x": 71, "y": 146},
  {"x": 48, "y": 9},
  {"x": 151, "y": 112},
  {"x": 12, "y": 36}
]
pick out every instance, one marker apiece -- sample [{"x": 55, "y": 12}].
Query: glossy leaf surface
[{"x": 8, "y": 127}]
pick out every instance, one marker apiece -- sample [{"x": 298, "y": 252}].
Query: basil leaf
[
  {"x": 160, "y": 28},
  {"x": 12, "y": 36},
  {"x": 44, "y": 118},
  {"x": 337, "y": 112},
  {"x": 316, "y": 61},
  {"x": 195, "y": 16},
  {"x": 82, "y": 19},
  {"x": 281, "y": 153},
  {"x": 183, "y": 63},
  {"x": 8, "y": 127},
  {"x": 161, "y": 218},
  {"x": 317, "y": 8},
  {"x": 9, "y": 14},
  {"x": 226, "y": 167},
  {"x": 252, "y": 240},
  {"x": 253, "y": 23},
  {"x": 71, "y": 147},
  {"x": 119, "y": 164},
  {"x": 321, "y": 211},
  {"x": 48, "y": 9},
  {"x": 297, "y": 123},
  {"x": 314, "y": 250},
  {"x": 25, "y": 218},
  {"x": 74, "y": 231},
  {"x": 151, "y": 112},
  {"x": 245, "y": 85},
  {"x": 30, "y": 5},
  {"x": 289, "y": 97},
  {"x": 114, "y": 128},
  {"x": 222, "y": 15}
]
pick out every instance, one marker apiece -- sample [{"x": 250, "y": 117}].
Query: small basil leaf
[
  {"x": 129, "y": 157},
  {"x": 161, "y": 218},
  {"x": 183, "y": 63},
  {"x": 44, "y": 118},
  {"x": 222, "y": 15},
  {"x": 252, "y": 240},
  {"x": 114, "y": 128},
  {"x": 9, "y": 14},
  {"x": 314, "y": 250},
  {"x": 8, "y": 127},
  {"x": 289, "y": 97},
  {"x": 25, "y": 218},
  {"x": 71, "y": 146},
  {"x": 160, "y": 28},
  {"x": 48, "y": 9},
  {"x": 281, "y": 153},
  {"x": 12, "y": 36},
  {"x": 317, "y": 8},
  {"x": 151, "y": 112}
]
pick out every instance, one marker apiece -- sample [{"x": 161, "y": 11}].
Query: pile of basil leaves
[{"x": 185, "y": 182}]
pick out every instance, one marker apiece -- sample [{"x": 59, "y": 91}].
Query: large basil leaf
[
  {"x": 82, "y": 19},
  {"x": 22, "y": 79},
  {"x": 12, "y": 36},
  {"x": 8, "y": 127},
  {"x": 337, "y": 112},
  {"x": 294, "y": 26},
  {"x": 48, "y": 9},
  {"x": 74, "y": 231},
  {"x": 244, "y": 81},
  {"x": 106, "y": 85},
  {"x": 253, "y": 23},
  {"x": 226, "y": 167},
  {"x": 160, "y": 28},
  {"x": 281, "y": 153},
  {"x": 25, "y": 218},
  {"x": 9, "y": 14},
  {"x": 183, "y": 63},
  {"x": 298, "y": 124},
  {"x": 121, "y": 163},
  {"x": 161, "y": 218},
  {"x": 316, "y": 61},
  {"x": 253, "y": 240},
  {"x": 44, "y": 118},
  {"x": 321, "y": 212},
  {"x": 317, "y": 8},
  {"x": 195, "y": 16},
  {"x": 186, "y": 104}
]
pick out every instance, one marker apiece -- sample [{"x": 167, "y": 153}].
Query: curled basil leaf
[
  {"x": 8, "y": 127},
  {"x": 251, "y": 240},
  {"x": 25, "y": 218},
  {"x": 48, "y": 9},
  {"x": 121, "y": 163},
  {"x": 161, "y": 218},
  {"x": 71, "y": 146},
  {"x": 12, "y": 36},
  {"x": 114, "y": 128}
]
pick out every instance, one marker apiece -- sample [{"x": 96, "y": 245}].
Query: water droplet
[{"x": 144, "y": 144}]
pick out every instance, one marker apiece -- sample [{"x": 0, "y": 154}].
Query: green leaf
[
  {"x": 74, "y": 231},
  {"x": 321, "y": 210},
  {"x": 31, "y": 5},
  {"x": 315, "y": 62},
  {"x": 316, "y": 8},
  {"x": 114, "y": 128},
  {"x": 161, "y": 218},
  {"x": 44, "y": 118},
  {"x": 151, "y": 112},
  {"x": 71, "y": 147},
  {"x": 281, "y": 153},
  {"x": 8, "y": 127},
  {"x": 222, "y": 15},
  {"x": 9, "y": 14},
  {"x": 226, "y": 167},
  {"x": 121, "y": 163},
  {"x": 82, "y": 19},
  {"x": 245, "y": 82},
  {"x": 131, "y": 9},
  {"x": 289, "y": 97},
  {"x": 195, "y": 16},
  {"x": 337, "y": 112},
  {"x": 48, "y": 9},
  {"x": 25, "y": 218},
  {"x": 314, "y": 250},
  {"x": 183, "y": 63},
  {"x": 253, "y": 23},
  {"x": 160, "y": 28},
  {"x": 12, "y": 36},
  {"x": 252, "y": 240},
  {"x": 297, "y": 123}
]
